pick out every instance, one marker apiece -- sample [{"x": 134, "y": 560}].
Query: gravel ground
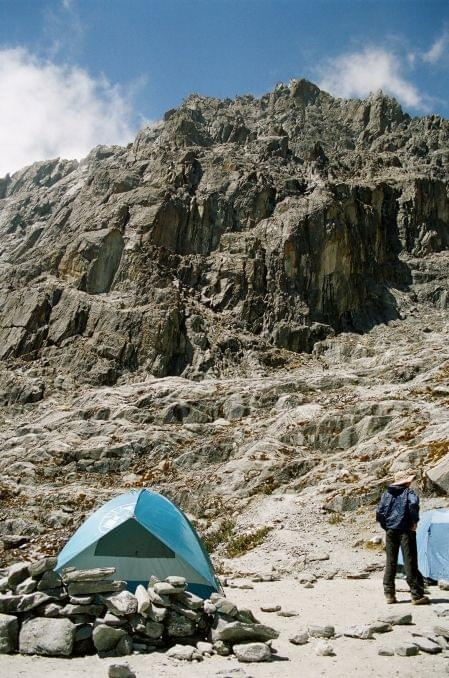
[{"x": 339, "y": 602}]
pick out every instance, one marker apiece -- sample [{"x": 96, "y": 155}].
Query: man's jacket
[{"x": 398, "y": 508}]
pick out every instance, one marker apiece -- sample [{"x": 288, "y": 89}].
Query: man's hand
[{"x": 413, "y": 527}]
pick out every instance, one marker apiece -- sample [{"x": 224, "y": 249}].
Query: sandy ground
[{"x": 339, "y": 602}]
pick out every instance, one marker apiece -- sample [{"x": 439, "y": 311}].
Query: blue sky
[{"x": 74, "y": 73}]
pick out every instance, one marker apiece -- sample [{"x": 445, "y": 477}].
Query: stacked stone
[{"x": 85, "y": 611}]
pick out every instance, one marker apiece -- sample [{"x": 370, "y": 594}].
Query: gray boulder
[
  {"x": 237, "y": 632},
  {"x": 49, "y": 580},
  {"x": 120, "y": 671},
  {"x": 95, "y": 574},
  {"x": 362, "y": 631},
  {"x": 426, "y": 644},
  {"x": 17, "y": 573},
  {"x": 143, "y": 599},
  {"x": 50, "y": 637},
  {"x": 179, "y": 626},
  {"x": 406, "y": 650},
  {"x": 153, "y": 629},
  {"x": 323, "y": 649},
  {"x": 41, "y": 566},
  {"x": 300, "y": 638},
  {"x": 317, "y": 631},
  {"x": 9, "y": 633},
  {"x": 184, "y": 653},
  {"x": 397, "y": 619},
  {"x": 105, "y": 638},
  {"x": 98, "y": 586},
  {"x": 252, "y": 652},
  {"x": 122, "y": 603}
]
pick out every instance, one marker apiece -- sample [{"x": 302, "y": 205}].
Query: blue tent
[
  {"x": 141, "y": 534},
  {"x": 433, "y": 544}
]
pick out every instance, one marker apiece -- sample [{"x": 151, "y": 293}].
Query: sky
[{"x": 77, "y": 73}]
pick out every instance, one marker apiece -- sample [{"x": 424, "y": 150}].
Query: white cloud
[
  {"x": 357, "y": 74},
  {"x": 437, "y": 50},
  {"x": 49, "y": 110}
]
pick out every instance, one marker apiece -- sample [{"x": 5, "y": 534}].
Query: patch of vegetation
[
  {"x": 335, "y": 518},
  {"x": 222, "y": 536},
  {"x": 436, "y": 450},
  {"x": 373, "y": 546},
  {"x": 243, "y": 543}
]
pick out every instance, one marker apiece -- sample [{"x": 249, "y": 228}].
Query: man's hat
[{"x": 402, "y": 477}]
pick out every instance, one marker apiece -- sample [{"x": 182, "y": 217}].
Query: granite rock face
[{"x": 285, "y": 215}]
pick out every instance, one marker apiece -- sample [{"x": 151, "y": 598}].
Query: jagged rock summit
[{"x": 230, "y": 228}]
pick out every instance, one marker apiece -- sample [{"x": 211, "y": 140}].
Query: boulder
[
  {"x": 252, "y": 652},
  {"x": 205, "y": 648},
  {"x": 184, "y": 653},
  {"x": 9, "y": 633},
  {"x": 323, "y": 649},
  {"x": 27, "y": 586},
  {"x": 385, "y": 651},
  {"x": 98, "y": 586},
  {"x": 380, "y": 627},
  {"x": 143, "y": 599},
  {"x": 159, "y": 600},
  {"x": 153, "y": 629},
  {"x": 225, "y": 606},
  {"x": 120, "y": 671},
  {"x": 406, "y": 650},
  {"x": 124, "y": 646},
  {"x": 221, "y": 648},
  {"x": 317, "y": 631},
  {"x": 426, "y": 644},
  {"x": 362, "y": 631},
  {"x": 105, "y": 638},
  {"x": 49, "y": 580},
  {"x": 122, "y": 603},
  {"x": 163, "y": 588},
  {"x": 29, "y": 601},
  {"x": 179, "y": 626},
  {"x": 50, "y": 637},
  {"x": 95, "y": 574},
  {"x": 237, "y": 632},
  {"x": 38, "y": 568},
  {"x": 17, "y": 573},
  {"x": 300, "y": 638},
  {"x": 397, "y": 619}
]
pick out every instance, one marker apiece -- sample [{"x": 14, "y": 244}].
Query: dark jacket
[{"x": 398, "y": 508}]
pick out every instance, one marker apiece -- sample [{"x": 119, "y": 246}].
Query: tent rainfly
[
  {"x": 141, "y": 534},
  {"x": 432, "y": 539}
]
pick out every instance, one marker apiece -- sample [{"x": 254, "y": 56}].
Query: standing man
[{"x": 398, "y": 514}]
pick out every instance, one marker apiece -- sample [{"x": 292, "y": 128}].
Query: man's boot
[
  {"x": 390, "y": 598},
  {"x": 421, "y": 601}
]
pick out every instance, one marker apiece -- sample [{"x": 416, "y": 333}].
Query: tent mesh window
[{"x": 132, "y": 540}]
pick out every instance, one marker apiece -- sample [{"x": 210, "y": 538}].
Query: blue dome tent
[
  {"x": 141, "y": 533},
  {"x": 433, "y": 544}
]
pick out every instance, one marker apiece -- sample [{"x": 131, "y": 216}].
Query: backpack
[{"x": 385, "y": 506}]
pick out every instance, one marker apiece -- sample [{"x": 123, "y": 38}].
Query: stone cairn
[{"x": 84, "y": 612}]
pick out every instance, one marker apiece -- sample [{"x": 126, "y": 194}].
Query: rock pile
[{"x": 84, "y": 612}]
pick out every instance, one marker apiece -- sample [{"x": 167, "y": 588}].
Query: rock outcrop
[{"x": 231, "y": 224}]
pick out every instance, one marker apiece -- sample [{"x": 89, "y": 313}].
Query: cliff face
[{"x": 232, "y": 224}]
